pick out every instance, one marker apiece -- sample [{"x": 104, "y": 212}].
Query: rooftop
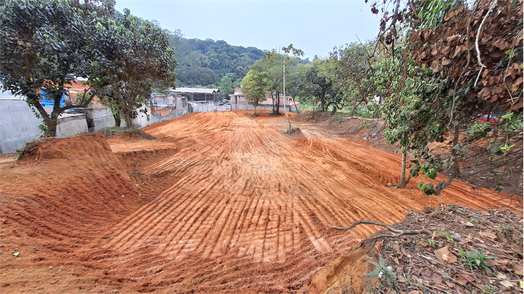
[{"x": 195, "y": 90}]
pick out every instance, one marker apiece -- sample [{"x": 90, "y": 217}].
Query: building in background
[{"x": 239, "y": 102}]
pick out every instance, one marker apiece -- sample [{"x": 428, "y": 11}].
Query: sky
[{"x": 315, "y": 26}]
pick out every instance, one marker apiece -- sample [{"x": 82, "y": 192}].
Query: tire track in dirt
[{"x": 233, "y": 204}]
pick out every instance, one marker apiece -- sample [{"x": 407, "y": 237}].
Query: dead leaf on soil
[
  {"x": 488, "y": 235},
  {"x": 396, "y": 260},
  {"x": 493, "y": 262},
  {"x": 430, "y": 276},
  {"x": 501, "y": 276},
  {"x": 479, "y": 240},
  {"x": 501, "y": 237},
  {"x": 444, "y": 255},
  {"x": 405, "y": 252},
  {"x": 467, "y": 240},
  {"x": 441, "y": 286},
  {"x": 468, "y": 224},
  {"x": 464, "y": 278},
  {"x": 517, "y": 268},
  {"x": 506, "y": 284},
  {"x": 501, "y": 44},
  {"x": 395, "y": 247}
]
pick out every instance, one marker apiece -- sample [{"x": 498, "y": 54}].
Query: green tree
[
  {"x": 463, "y": 81},
  {"x": 254, "y": 87},
  {"x": 143, "y": 61},
  {"x": 226, "y": 86},
  {"x": 47, "y": 46},
  {"x": 320, "y": 83},
  {"x": 352, "y": 68},
  {"x": 271, "y": 57},
  {"x": 271, "y": 66},
  {"x": 302, "y": 89}
]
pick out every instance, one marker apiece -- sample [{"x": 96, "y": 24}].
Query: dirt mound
[
  {"x": 64, "y": 194},
  {"x": 220, "y": 202},
  {"x": 64, "y": 148}
]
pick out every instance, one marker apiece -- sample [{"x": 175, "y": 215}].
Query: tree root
[{"x": 398, "y": 232}]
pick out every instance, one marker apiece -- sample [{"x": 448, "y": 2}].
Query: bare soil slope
[{"x": 219, "y": 202}]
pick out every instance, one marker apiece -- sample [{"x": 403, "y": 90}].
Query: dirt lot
[{"x": 219, "y": 202}]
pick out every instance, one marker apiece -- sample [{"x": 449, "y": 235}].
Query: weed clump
[{"x": 125, "y": 132}]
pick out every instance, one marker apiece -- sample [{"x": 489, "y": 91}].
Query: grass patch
[{"x": 125, "y": 132}]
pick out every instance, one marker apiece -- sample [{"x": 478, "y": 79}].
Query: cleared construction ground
[{"x": 219, "y": 202}]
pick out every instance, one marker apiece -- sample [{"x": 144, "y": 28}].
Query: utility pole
[
  {"x": 295, "y": 52},
  {"x": 284, "y": 87}
]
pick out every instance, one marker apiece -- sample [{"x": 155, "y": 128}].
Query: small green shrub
[
  {"x": 384, "y": 273},
  {"x": 476, "y": 259}
]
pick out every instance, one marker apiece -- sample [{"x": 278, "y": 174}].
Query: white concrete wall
[
  {"x": 147, "y": 118},
  {"x": 71, "y": 125},
  {"x": 98, "y": 118},
  {"x": 19, "y": 125}
]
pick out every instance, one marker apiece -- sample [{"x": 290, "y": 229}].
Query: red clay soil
[{"x": 219, "y": 202}]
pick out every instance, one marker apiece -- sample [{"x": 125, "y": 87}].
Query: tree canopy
[
  {"x": 47, "y": 45},
  {"x": 205, "y": 62},
  {"x": 453, "y": 66},
  {"x": 143, "y": 61},
  {"x": 254, "y": 87}
]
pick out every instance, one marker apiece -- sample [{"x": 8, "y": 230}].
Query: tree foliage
[
  {"x": 352, "y": 67},
  {"x": 272, "y": 66},
  {"x": 47, "y": 45},
  {"x": 453, "y": 66},
  {"x": 142, "y": 60},
  {"x": 254, "y": 87},
  {"x": 226, "y": 87},
  {"x": 205, "y": 62}
]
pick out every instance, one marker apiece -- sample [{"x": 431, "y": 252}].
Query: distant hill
[{"x": 205, "y": 62}]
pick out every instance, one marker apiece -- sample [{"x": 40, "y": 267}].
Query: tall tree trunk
[
  {"x": 46, "y": 119},
  {"x": 334, "y": 110},
  {"x": 129, "y": 122},
  {"x": 118, "y": 121},
  {"x": 278, "y": 104},
  {"x": 403, "y": 171},
  {"x": 354, "y": 108},
  {"x": 51, "y": 126},
  {"x": 296, "y": 107},
  {"x": 273, "y": 104},
  {"x": 51, "y": 121}
]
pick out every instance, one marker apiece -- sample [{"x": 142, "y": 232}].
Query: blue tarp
[{"x": 49, "y": 102}]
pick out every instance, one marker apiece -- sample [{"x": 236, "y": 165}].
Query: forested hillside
[{"x": 205, "y": 62}]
